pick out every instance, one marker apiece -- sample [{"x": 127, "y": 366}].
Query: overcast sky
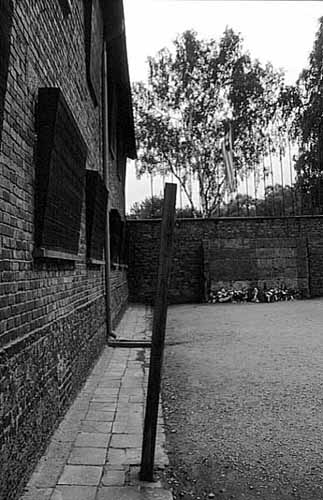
[{"x": 278, "y": 31}]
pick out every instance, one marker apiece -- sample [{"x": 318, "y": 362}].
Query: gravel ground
[{"x": 242, "y": 395}]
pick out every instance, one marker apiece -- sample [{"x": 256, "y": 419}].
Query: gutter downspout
[{"x": 106, "y": 161}]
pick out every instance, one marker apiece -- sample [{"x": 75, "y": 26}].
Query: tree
[
  {"x": 304, "y": 103},
  {"x": 193, "y": 92},
  {"x": 151, "y": 208}
]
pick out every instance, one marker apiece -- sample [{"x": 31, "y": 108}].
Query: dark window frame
[
  {"x": 117, "y": 239},
  {"x": 60, "y": 174},
  {"x": 96, "y": 215}
]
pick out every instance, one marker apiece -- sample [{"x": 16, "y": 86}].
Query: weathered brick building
[{"x": 66, "y": 129}]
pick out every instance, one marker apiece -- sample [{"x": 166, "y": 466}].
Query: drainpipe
[{"x": 106, "y": 182}]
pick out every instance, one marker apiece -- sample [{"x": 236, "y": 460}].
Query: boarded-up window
[
  {"x": 5, "y": 30},
  {"x": 60, "y": 172},
  {"x": 117, "y": 238},
  {"x": 96, "y": 211}
]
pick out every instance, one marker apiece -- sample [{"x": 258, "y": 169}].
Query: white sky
[{"x": 278, "y": 31}]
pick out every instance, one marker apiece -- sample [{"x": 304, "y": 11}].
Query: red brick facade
[{"x": 53, "y": 317}]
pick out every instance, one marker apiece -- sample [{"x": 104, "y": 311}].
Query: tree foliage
[
  {"x": 193, "y": 91},
  {"x": 278, "y": 200},
  {"x": 149, "y": 208},
  {"x": 305, "y": 106},
  {"x": 152, "y": 208}
]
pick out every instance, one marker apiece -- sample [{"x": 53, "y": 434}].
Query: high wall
[
  {"x": 263, "y": 263},
  {"x": 52, "y": 311},
  {"x": 299, "y": 239}
]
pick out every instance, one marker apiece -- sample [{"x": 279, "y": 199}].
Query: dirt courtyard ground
[{"x": 243, "y": 400}]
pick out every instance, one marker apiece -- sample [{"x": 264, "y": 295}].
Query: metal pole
[
  {"x": 218, "y": 200},
  {"x": 272, "y": 180},
  {"x": 282, "y": 180},
  {"x": 158, "y": 335},
  {"x": 152, "y": 194},
  {"x": 264, "y": 173},
  {"x": 291, "y": 176},
  {"x": 255, "y": 186},
  {"x": 180, "y": 189},
  {"x": 237, "y": 192},
  {"x": 312, "y": 195},
  {"x": 106, "y": 182},
  {"x": 247, "y": 194}
]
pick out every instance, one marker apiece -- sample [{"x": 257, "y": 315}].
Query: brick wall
[
  {"x": 5, "y": 32},
  {"x": 39, "y": 378},
  {"x": 52, "y": 312},
  {"x": 187, "y": 277},
  {"x": 119, "y": 297},
  {"x": 256, "y": 262}
]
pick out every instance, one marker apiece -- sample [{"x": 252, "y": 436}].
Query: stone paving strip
[{"x": 95, "y": 453}]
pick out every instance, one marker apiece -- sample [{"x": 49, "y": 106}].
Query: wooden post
[{"x": 158, "y": 334}]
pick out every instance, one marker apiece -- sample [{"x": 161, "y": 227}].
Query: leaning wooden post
[{"x": 158, "y": 334}]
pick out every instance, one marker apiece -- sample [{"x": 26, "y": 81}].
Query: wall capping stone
[{"x": 215, "y": 219}]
